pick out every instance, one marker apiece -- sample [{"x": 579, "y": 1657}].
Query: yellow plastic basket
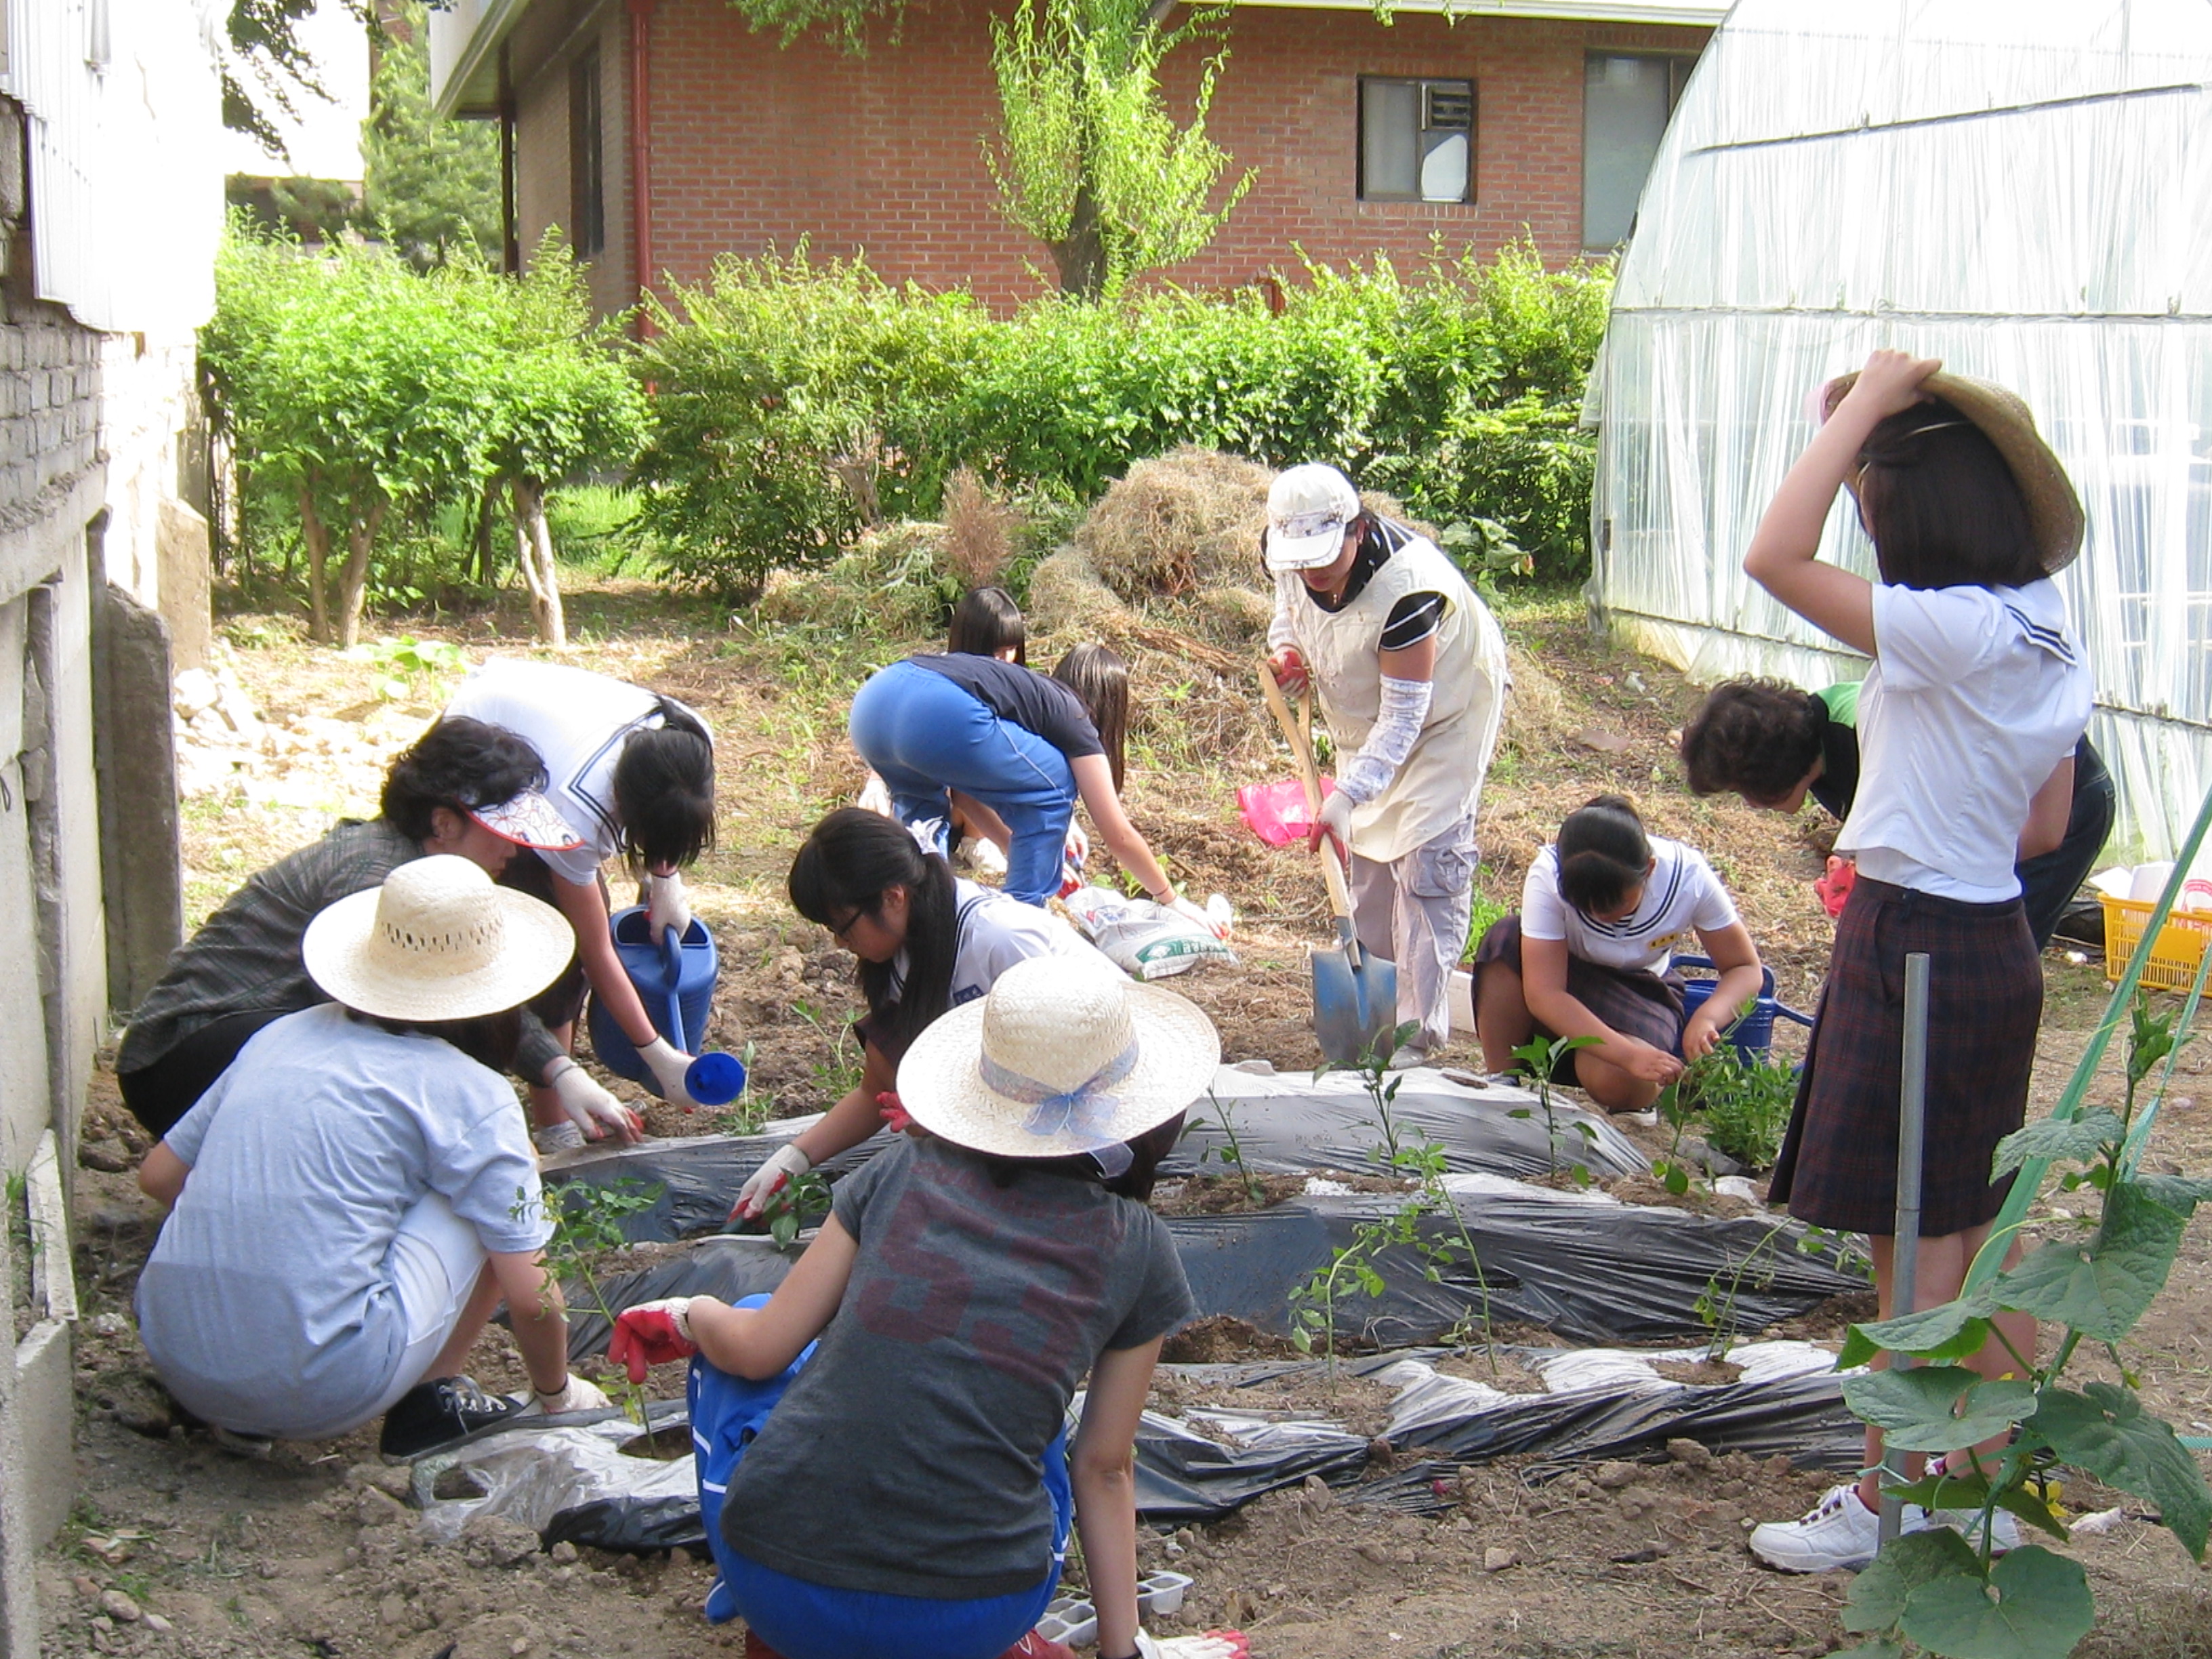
[{"x": 2173, "y": 959}]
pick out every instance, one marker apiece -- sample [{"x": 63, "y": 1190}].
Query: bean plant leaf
[
  {"x": 1879, "y": 1594},
  {"x": 2182, "y": 1193},
  {"x": 2055, "y": 1140},
  {"x": 2105, "y": 1431},
  {"x": 2102, "y": 1287},
  {"x": 2041, "y": 1609},
  {"x": 1950, "y": 1332},
  {"x": 1921, "y": 1409}
]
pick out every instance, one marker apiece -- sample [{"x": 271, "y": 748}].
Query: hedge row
[{"x": 795, "y": 400}]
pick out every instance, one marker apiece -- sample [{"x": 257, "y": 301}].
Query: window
[
  {"x": 1416, "y": 140},
  {"x": 587, "y": 192},
  {"x": 1625, "y": 104}
]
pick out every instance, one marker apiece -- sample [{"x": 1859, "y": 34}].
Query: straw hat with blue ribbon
[{"x": 1062, "y": 1056}]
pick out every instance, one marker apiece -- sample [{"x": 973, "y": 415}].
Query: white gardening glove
[
  {"x": 875, "y": 796},
  {"x": 590, "y": 1108},
  {"x": 1077, "y": 851},
  {"x": 1335, "y": 821},
  {"x": 1196, "y": 915},
  {"x": 668, "y": 1063},
  {"x": 666, "y": 905},
  {"x": 573, "y": 1395},
  {"x": 785, "y": 1164},
  {"x": 1214, "y": 1644}
]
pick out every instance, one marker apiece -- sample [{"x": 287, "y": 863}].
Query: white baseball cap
[{"x": 1308, "y": 508}]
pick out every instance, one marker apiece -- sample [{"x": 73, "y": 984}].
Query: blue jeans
[
  {"x": 801, "y": 1620},
  {"x": 924, "y": 736}
]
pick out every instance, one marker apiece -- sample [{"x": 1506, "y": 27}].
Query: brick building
[{"x": 658, "y": 134}]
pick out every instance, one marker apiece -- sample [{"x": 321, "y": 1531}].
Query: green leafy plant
[
  {"x": 1745, "y": 1104},
  {"x": 1933, "y": 1590},
  {"x": 800, "y": 1200},
  {"x": 1231, "y": 1155},
  {"x": 1539, "y": 1055},
  {"x": 587, "y": 1221},
  {"x": 410, "y": 662}
]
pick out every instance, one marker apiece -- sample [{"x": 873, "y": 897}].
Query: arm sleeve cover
[
  {"x": 1405, "y": 707},
  {"x": 1280, "y": 629}
]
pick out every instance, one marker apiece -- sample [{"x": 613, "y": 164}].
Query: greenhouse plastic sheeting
[
  {"x": 2019, "y": 187},
  {"x": 1579, "y": 1264},
  {"x": 1286, "y": 1121}
]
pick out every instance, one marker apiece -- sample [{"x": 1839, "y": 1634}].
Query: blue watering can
[
  {"x": 1754, "y": 1032},
  {"x": 674, "y": 980}
]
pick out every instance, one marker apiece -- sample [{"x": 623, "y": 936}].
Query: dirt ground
[{"x": 176, "y": 1548}]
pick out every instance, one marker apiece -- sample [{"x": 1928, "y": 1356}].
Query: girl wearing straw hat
[
  {"x": 927, "y": 941},
  {"x": 354, "y": 1197},
  {"x": 1968, "y": 719},
  {"x": 885, "y": 1466}
]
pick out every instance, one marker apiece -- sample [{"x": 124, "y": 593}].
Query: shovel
[{"x": 1355, "y": 991}]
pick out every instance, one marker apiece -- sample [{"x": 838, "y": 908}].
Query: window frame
[
  {"x": 587, "y": 150},
  {"x": 1420, "y": 83},
  {"x": 1679, "y": 65}
]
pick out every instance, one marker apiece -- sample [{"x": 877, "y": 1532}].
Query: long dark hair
[
  {"x": 489, "y": 1040},
  {"x": 1603, "y": 852},
  {"x": 985, "y": 622},
  {"x": 843, "y": 870},
  {"x": 461, "y": 765},
  {"x": 664, "y": 789},
  {"x": 1101, "y": 679},
  {"x": 1135, "y": 1181},
  {"x": 1756, "y": 737},
  {"x": 1941, "y": 505}
]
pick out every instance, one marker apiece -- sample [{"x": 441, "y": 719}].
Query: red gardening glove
[
  {"x": 896, "y": 1117},
  {"x": 1835, "y": 887},
  {"x": 651, "y": 1333}
]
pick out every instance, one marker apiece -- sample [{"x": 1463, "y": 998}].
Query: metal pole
[{"x": 1905, "y": 1241}]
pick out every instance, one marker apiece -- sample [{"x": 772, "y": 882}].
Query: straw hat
[
  {"x": 437, "y": 941},
  {"x": 2054, "y": 511},
  {"x": 1061, "y": 1057}
]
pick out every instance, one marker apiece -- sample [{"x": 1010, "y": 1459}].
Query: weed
[
  {"x": 840, "y": 1074},
  {"x": 412, "y": 665}
]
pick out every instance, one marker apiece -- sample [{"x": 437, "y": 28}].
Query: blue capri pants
[
  {"x": 801, "y": 1620},
  {"x": 925, "y": 736}
]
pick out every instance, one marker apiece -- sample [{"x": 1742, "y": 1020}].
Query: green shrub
[{"x": 797, "y": 402}]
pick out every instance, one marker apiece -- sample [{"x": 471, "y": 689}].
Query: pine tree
[{"x": 432, "y": 186}]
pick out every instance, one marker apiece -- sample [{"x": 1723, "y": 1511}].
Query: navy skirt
[{"x": 1838, "y": 1167}]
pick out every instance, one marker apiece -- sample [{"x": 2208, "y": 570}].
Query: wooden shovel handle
[{"x": 1298, "y": 734}]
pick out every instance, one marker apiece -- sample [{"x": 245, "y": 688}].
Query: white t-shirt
[
  {"x": 268, "y": 1304},
  {"x": 577, "y": 721},
  {"x": 1975, "y": 695},
  {"x": 996, "y": 931},
  {"x": 1682, "y": 898}
]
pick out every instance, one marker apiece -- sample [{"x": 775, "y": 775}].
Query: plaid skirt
[
  {"x": 1633, "y": 1002},
  {"x": 1838, "y": 1167}
]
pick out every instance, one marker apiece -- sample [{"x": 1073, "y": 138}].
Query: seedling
[
  {"x": 1231, "y": 1156},
  {"x": 1540, "y": 1055},
  {"x": 792, "y": 1205},
  {"x": 587, "y": 1223}
]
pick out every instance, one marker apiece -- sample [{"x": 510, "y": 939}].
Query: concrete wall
[
  {"x": 754, "y": 147},
  {"x": 94, "y": 436}
]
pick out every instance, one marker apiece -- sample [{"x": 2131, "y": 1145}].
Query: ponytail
[{"x": 664, "y": 789}]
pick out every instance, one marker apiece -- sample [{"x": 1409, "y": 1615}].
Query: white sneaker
[
  {"x": 1839, "y": 1531},
  {"x": 552, "y": 1138}
]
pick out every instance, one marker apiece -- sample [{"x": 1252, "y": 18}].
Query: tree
[
  {"x": 267, "y": 65},
  {"x": 432, "y": 187},
  {"x": 1087, "y": 158}
]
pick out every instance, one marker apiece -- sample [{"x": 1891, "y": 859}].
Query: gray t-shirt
[
  {"x": 266, "y": 1304},
  {"x": 907, "y": 1458}
]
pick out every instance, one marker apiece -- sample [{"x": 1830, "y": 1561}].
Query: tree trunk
[
  {"x": 1081, "y": 255},
  {"x": 353, "y": 580},
  {"x": 533, "y": 552},
  {"x": 487, "y": 507},
  {"x": 317, "y": 535}
]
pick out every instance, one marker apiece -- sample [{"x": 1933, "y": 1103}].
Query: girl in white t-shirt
[
  {"x": 927, "y": 942},
  {"x": 1968, "y": 721},
  {"x": 1601, "y": 915}
]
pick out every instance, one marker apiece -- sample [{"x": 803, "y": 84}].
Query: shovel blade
[{"x": 1355, "y": 1007}]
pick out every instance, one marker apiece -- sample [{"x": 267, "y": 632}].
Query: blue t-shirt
[{"x": 266, "y": 1304}]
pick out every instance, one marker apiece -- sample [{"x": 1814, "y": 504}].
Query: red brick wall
[
  {"x": 541, "y": 59},
  {"x": 755, "y": 146}
]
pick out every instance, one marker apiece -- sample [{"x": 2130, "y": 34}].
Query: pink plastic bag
[{"x": 1277, "y": 813}]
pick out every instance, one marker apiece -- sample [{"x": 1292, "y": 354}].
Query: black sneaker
[{"x": 436, "y": 1413}]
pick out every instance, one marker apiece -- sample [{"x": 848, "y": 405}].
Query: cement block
[
  {"x": 181, "y": 545},
  {"x": 46, "y": 1416},
  {"x": 142, "y": 875}
]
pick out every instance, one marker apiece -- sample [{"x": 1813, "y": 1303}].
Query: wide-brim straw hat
[
  {"x": 2054, "y": 511},
  {"x": 437, "y": 941},
  {"x": 1062, "y": 1056}
]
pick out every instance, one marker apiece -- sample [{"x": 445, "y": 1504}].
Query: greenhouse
[{"x": 2022, "y": 189}]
